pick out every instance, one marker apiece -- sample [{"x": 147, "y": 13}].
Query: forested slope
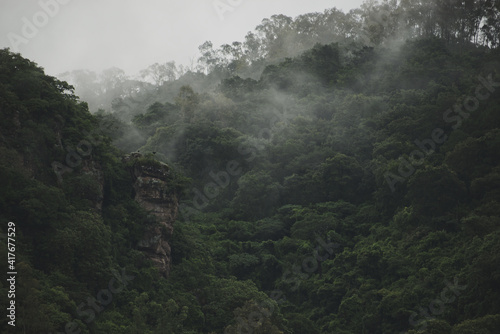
[{"x": 343, "y": 187}]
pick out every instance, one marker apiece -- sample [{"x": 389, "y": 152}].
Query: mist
[
  {"x": 250, "y": 166},
  {"x": 131, "y": 35}
]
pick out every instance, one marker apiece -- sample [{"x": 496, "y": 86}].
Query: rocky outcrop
[{"x": 154, "y": 192}]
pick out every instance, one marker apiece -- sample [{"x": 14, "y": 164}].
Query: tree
[
  {"x": 257, "y": 195},
  {"x": 160, "y": 73},
  {"x": 435, "y": 191},
  {"x": 187, "y": 100},
  {"x": 209, "y": 59},
  {"x": 486, "y": 324},
  {"x": 339, "y": 178},
  {"x": 255, "y": 318}
]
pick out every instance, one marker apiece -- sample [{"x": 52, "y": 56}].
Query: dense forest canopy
[{"x": 335, "y": 173}]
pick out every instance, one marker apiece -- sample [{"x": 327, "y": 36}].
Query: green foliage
[
  {"x": 156, "y": 114},
  {"x": 290, "y": 144},
  {"x": 486, "y": 324},
  {"x": 256, "y": 196},
  {"x": 435, "y": 191}
]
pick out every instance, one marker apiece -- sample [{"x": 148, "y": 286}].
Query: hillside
[{"x": 343, "y": 186}]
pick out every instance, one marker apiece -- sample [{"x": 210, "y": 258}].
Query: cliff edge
[{"x": 155, "y": 193}]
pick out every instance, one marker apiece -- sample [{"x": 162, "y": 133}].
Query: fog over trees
[{"x": 334, "y": 172}]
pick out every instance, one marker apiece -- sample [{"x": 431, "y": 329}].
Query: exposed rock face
[{"x": 154, "y": 193}]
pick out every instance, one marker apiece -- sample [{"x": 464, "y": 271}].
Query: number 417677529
[{"x": 11, "y": 246}]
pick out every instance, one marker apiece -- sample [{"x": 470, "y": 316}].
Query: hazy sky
[{"x": 63, "y": 35}]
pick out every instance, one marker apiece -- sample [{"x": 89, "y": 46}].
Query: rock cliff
[{"x": 154, "y": 192}]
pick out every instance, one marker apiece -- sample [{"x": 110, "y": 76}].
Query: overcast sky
[{"x": 133, "y": 34}]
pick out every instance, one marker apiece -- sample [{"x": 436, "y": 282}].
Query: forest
[{"x": 332, "y": 173}]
